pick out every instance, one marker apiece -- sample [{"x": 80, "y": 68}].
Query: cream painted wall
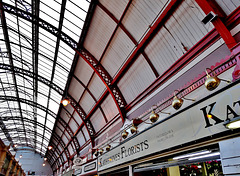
[{"x": 32, "y": 161}]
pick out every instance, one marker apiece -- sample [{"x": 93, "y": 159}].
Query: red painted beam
[
  {"x": 172, "y": 6},
  {"x": 208, "y": 6}
]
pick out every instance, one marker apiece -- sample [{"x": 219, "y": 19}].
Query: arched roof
[{"x": 104, "y": 56}]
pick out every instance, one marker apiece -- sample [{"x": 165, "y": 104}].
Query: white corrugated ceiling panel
[
  {"x": 109, "y": 107},
  {"x": 183, "y": 29},
  {"x": 98, "y": 120},
  {"x": 65, "y": 139},
  {"x": 115, "y": 7},
  {"x": 75, "y": 89},
  {"x": 189, "y": 16},
  {"x": 87, "y": 102},
  {"x": 96, "y": 86},
  {"x": 77, "y": 118},
  {"x": 228, "y": 6},
  {"x": 70, "y": 109},
  {"x": 58, "y": 131},
  {"x": 100, "y": 31},
  {"x": 73, "y": 125},
  {"x": 65, "y": 116},
  {"x": 140, "y": 15},
  {"x": 85, "y": 132},
  {"x": 138, "y": 77},
  {"x": 117, "y": 52},
  {"x": 80, "y": 138},
  {"x": 83, "y": 71},
  {"x": 70, "y": 149}
]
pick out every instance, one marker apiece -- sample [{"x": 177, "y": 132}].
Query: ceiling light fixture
[
  {"x": 192, "y": 154},
  {"x": 96, "y": 153},
  {"x": 43, "y": 164},
  {"x": 177, "y": 102},
  {"x": 124, "y": 134},
  {"x": 50, "y": 147},
  {"x": 20, "y": 156},
  {"x": 205, "y": 156},
  {"x": 65, "y": 101},
  {"x": 212, "y": 82},
  {"x": 100, "y": 151},
  {"x": 108, "y": 147},
  {"x": 154, "y": 116},
  {"x": 233, "y": 123}
]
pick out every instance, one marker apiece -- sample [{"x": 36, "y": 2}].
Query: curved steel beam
[
  {"x": 93, "y": 62},
  {"x": 45, "y": 81}
]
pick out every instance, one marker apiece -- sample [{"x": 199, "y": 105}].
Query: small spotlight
[
  {"x": 50, "y": 147},
  {"x": 20, "y": 156},
  {"x": 45, "y": 159},
  {"x": 43, "y": 164}
]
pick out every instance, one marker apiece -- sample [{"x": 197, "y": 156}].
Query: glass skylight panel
[
  {"x": 38, "y": 145},
  {"x": 47, "y": 38},
  {"x": 44, "y": 67},
  {"x": 19, "y": 80},
  {"x": 42, "y": 100},
  {"x": 59, "y": 81},
  {"x": 50, "y": 11},
  {"x": 25, "y": 43},
  {"x": 49, "y": 125},
  {"x": 41, "y": 114},
  {"x": 11, "y": 20},
  {"x": 25, "y": 27},
  {"x": 47, "y": 135},
  {"x": 14, "y": 39},
  {"x": 72, "y": 23},
  {"x": 40, "y": 120},
  {"x": 45, "y": 142},
  {"x": 15, "y": 49},
  {"x": 53, "y": 106},
  {"x": 24, "y": 6},
  {"x": 46, "y": 49},
  {"x": 66, "y": 29},
  {"x": 55, "y": 95},
  {"x": 43, "y": 88},
  {"x": 83, "y": 4},
  {"x": 11, "y": 2}
]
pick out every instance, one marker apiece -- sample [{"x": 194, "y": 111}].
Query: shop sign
[
  {"x": 89, "y": 168},
  {"x": 204, "y": 118}
]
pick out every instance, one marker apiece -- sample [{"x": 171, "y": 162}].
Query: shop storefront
[{"x": 200, "y": 127}]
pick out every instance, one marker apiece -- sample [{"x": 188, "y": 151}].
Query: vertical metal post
[{"x": 130, "y": 170}]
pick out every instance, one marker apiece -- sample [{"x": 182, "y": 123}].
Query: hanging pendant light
[
  {"x": 124, "y": 134},
  {"x": 108, "y": 147},
  {"x": 177, "y": 102},
  {"x": 153, "y": 117},
  {"x": 96, "y": 153},
  {"x": 133, "y": 129},
  {"x": 212, "y": 82},
  {"x": 100, "y": 151}
]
